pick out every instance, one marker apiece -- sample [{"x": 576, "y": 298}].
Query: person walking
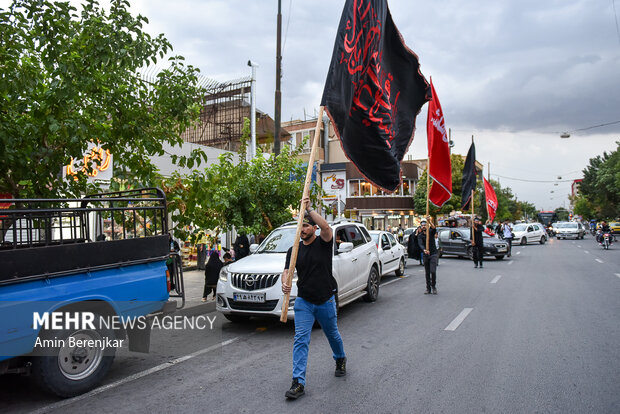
[
  {"x": 241, "y": 246},
  {"x": 315, "y": 300},
  {"x": 430, "y": 255},
  {"x": 508, "y": 235},
  {"x": 477, "y": 244},
  {"x": 212, "y": 273}
]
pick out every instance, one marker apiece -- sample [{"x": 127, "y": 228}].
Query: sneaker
[
  {"x": 434, "y": 291},
  {"x": 476, "y": 266},
  {"x": 341, "y": 367},
  {"x": 427, "y": 292},
  {"x": 204, "y": 299},
  {"x": 296, "y": 390},
  {"x": 481, "y": 266}
]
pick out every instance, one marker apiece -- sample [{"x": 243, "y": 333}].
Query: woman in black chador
[{"x": 212, "y": 273}]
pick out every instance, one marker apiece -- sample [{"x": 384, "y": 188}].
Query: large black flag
[
  {"x": 469, "y": 178},
  {"x": 374, "y": 91}
]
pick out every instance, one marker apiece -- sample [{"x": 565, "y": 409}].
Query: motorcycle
[{"x": 606, "y": 240}]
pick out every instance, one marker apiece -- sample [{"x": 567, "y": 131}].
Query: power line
[
  {"x": 532, "y": 181},
  {"x": 596, "y": 126}
]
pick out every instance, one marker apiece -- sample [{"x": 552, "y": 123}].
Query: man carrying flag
[{"x": 440, "y": 170}]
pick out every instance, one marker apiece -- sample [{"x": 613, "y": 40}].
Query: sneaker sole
[
  {"x": 336, "y": 374},
  {"x": 292, "y": 396}
]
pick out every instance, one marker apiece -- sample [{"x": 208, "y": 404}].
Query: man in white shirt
[{"x": 508, "y": 236}]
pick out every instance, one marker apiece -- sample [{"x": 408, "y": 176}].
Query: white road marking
[
  {"x": 135, "y": 376},
  {"x": 599, "y": 260},
  {"x": 618, "y": 274},
  {"x": 518, "y": 252},
  {"x": 496, "y": 278},
  {"x": 458, "y": 320},
  {"x": 579, "y": 245},
  {"x": 586, "y": 252},
  {"x": 509, "y": 262},
  {"x": 392, "y": 281}
]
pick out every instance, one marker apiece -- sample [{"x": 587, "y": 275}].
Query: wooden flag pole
[
  {"x": 472, "y": 217},
  {"x": 287, "y": 276},
  {"x": 428, "y": 191}
]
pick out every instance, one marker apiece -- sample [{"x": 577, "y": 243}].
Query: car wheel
[
  {"x": 236, "y": 318},
  {"x": 401, "y": 268},
  {"x": 372, "y": 287},
  {"x": 500, "y": 257},
  {"x": 542, "y": 240},
  {"x": 68, "y": 370},
  {"x": 523, "y": 241}
]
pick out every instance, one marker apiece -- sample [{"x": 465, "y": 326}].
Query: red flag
[
  {"x": 440, "y": 165},
  {"x": 374, "y": 91},
  {"x": 491, "y": 197}
]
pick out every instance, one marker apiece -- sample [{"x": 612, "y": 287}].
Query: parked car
[
  {"x": 392, "y": 255},
  {"x": 408, "y": 232},
  {"x": 457, "y": 241},
  {"x": 570, "y": 230},
  {"x": 525, "y": 233},
  {"x": 252, "y": 285}
]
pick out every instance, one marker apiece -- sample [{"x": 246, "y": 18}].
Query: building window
[{"x": 354, "y": 188}]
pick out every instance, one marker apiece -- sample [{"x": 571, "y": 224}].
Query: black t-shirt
[
  {"x": 432, "y": 248},
  {"x": 315, "y": 281},
  {"x": 478, "y": 229}
]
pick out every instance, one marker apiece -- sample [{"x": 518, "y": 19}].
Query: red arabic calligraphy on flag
[
  {"x": 491, "y": 198},
  {"x": 440, "y": 165},
  {"x": 374, "y": 91}
]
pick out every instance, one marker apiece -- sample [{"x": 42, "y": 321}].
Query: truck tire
[
  {"x": 68, "y": 371},
  {"x": 372, "y": 286}
]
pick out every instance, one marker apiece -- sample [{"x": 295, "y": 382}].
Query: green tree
[
  {"x": 601, "y": 184},
  {"x": 584, "y": 208},
  {"x": 70, "y": 77},
  {"x": 253, "y": 196},
  {"x": 419, "y": 197},
  {"x": 562, "y": 213}
]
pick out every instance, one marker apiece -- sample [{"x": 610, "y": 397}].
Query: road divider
[{"x": 458, "y": 320}]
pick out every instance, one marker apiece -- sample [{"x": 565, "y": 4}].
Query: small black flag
[
  {"x": 469, "y": 178},
  {"x": 374, "y": 91}
]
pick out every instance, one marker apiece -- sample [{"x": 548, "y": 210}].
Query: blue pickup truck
[{"x": 80, "y": 278}]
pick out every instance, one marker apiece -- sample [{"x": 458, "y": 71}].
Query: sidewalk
[{"x": 194, "y": 281}]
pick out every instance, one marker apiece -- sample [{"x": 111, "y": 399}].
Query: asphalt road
[{"x": 538, "y": 332}]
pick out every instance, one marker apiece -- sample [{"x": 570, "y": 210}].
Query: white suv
[{"x": 252, "y": 285}]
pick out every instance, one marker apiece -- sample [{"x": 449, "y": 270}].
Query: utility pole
[
  {"x": 252, "y": 153},
  {"x": 278, "y": 109}
]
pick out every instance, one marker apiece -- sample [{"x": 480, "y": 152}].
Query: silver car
[
  {"x": 252, "y": 286},
  {"x": 572, "y": 230}
]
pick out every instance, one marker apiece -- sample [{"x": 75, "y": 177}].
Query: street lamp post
[{"x": 252, "y": 152}]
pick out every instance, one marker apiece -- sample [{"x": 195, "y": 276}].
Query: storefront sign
[{"x": 334, "y": 184}]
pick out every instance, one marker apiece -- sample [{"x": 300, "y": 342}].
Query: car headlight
[{"x": 224, "y": 275}]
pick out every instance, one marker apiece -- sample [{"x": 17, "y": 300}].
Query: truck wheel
[
  {"x": 401, "y": 268},
  {"x": 372, "y": 287},
  {"x": 67, "y": 369},
  {"x": 236, "y": 318}
]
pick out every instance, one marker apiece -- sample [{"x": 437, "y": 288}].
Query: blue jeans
[{"x": 305, "y": 314}]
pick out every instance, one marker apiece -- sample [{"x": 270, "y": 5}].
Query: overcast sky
[{"x": 514, "y": 74}]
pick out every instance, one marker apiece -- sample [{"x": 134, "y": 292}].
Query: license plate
[
  {"x": 249, "y": 297},
  {"x": 501, "y": 249}
]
